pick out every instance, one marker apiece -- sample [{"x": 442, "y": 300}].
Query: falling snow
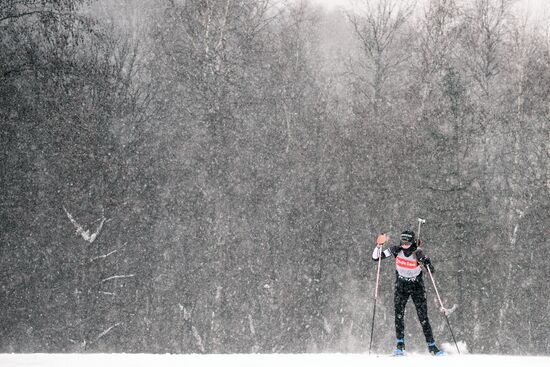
[{"x": 209, "y": 177}]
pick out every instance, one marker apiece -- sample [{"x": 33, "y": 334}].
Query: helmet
[{"x": 407, "y": 236}]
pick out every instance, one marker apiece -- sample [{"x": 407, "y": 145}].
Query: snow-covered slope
[{"x": 264, "y": 360}]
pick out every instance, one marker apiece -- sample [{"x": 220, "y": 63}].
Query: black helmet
[{"x": 407, "y": 236}]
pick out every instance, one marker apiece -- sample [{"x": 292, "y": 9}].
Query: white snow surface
[{"x": 266, "y": 360}]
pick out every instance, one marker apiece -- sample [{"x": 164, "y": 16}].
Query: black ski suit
[{"x": 409, "y": 283}]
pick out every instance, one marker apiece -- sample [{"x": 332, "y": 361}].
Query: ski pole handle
[{"x": 420, "y": 222}]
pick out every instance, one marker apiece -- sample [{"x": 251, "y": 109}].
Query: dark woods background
[{"x": 232, "y": 162}]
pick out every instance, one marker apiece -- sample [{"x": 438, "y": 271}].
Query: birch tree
[{"x": 378, "y": 27}]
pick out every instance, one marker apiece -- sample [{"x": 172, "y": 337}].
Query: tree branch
[
  {"x": 117, "y": 277},
  {"x": 105, "y": 332},
  {"x": 85, "y": 233}
]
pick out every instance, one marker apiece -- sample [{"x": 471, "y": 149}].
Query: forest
[{"x": 209, "y": 176}]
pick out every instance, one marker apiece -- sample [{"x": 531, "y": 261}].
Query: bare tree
[
  {"x": 378, "y": 25},
  {"x": 483, "y": 36},
  {"x": 437, "y": 36}
]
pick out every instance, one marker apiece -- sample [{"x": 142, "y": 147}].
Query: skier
[{"x": 408, "y": 283}]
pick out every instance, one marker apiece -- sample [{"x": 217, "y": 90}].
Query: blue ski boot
[
  {"x": 400, "y": 348},
  {"x": 433, "y": 349}
]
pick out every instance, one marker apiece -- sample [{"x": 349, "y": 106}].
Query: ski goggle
[{"x": 406, "y": 238}]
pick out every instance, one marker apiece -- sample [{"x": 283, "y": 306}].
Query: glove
[
  {"x": 427, "y": 263},
  {"x": 418, "y": 243},
  {"x": 381, "y": 239}
]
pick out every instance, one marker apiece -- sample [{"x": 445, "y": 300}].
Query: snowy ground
[{"x": 264, "y": 360}]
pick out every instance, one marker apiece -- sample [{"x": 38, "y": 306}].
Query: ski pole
[
  {"x": 444, "y": 310},
  {"x": 380, "y": 240}
]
